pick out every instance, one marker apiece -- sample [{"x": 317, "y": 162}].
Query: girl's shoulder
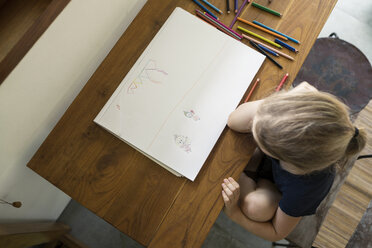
[{"x": 316, "y": 178}]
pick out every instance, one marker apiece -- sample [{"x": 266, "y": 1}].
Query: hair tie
[{"x": 356, "y": 133}]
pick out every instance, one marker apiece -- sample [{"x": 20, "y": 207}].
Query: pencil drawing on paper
[
  {"x": 191, "y": 114},
  {"x": 149, "y": 74},
  {"x": 183, "y": 142}
]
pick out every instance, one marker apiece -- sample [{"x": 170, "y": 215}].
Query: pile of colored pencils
[{"x": 263, "y": 48}]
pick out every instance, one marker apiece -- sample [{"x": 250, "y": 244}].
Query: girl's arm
[
  {"x": 241, "y": 119},
  {"x": 276, "y": 229}
]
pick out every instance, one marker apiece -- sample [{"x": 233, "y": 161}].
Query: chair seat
[{"x": 338, "y": 67}]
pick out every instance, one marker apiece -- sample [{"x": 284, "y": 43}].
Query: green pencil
[{"x": 266, "y": 9}]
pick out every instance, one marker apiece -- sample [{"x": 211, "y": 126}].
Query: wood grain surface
[
  {"x": 124, "y": 187},
  {"x": 352, "y": 200},
  {"x": 16, "y": 17},
  {"x": 17, "y": 235},
  {"x": 21, "y": 25}
]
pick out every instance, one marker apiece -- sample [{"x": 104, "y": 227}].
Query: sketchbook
[{"x": 175, "y": 101}]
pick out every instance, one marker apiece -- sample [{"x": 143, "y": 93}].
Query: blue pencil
[
  {"x": 213, "y": 7},
  {"x": 268, "y": 50},
  {"x": 205, "y": 9},
  {"x": 264, "y": 53},
  {"x": 286, "y": 45},
  {"x": 264, "y": 26}
]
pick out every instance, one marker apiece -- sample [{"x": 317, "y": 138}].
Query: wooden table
[{"x": 127, "y": 189}]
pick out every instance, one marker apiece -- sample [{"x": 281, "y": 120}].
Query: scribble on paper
[
  {"x": 191, "y": 114},
  {"x": 183, "y": 142},
  {"x": 149, "y": 74}
]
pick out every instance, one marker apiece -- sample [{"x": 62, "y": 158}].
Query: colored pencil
[
  {"x": 215, "y": 23},
  {"x": 250, "y": 92},
  {"x": 239, "y": 11},
  {"x": 205, "y": 9},
  {"x": 262, "y": 29},
  {"x": 236, "y": 6},
  {"x": 268, "y": 50},
  {"x": 207, "y": 22},
  {"x": 259, "y": 42},
  {"x": 212, "y": 6},
  {"x": 271, "y": 29},
  {"x": 286, "y": 45},
  {"x": 229, "y": 29},
  {"x": 282, "y": 82},
  {"x": 264, "y": 53},
  {"x": 228, "y": 6},
  {"x": 266, "y": 9},
  {"x": 259, "y": 36}
]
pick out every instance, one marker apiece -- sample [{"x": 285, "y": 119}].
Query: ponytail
[
  {"x": 355, "y": 146},
  {"x": 357, "y": 142}
]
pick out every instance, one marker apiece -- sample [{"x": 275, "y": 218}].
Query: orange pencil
[
  {"x": 250, "y": 92},
  {"x": 262, "y": 29},
  {"x": 282, "y": 82}
]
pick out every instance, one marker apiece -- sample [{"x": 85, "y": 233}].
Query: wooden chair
[
  {"x": 52, "y": 234},
  {"x": 362, "y": 236}
]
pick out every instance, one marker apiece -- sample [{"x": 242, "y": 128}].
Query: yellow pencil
[
  {"x": 259, "y": 36},
  {"x": 259, "y": 42},
  {"x": 262, "y": 29}
]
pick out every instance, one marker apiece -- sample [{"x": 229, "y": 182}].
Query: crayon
[{"x": 282, "y": 82}]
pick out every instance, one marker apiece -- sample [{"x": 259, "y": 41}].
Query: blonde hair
[{"x": 310, "y": 130}]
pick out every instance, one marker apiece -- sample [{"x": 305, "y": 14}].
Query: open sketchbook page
[{"x": 174, "y": 102}]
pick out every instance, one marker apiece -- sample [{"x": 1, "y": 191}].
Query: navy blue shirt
[{"x": 301, "y": 194}]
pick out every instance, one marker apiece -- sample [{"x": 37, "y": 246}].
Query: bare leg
[
  {"x": 260, "y": 204},
  {"x": 247, "y": 185},
  {"x": 255, "y": 160}
]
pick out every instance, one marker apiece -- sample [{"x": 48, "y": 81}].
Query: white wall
[
  {"x": 352, "y": 22},
  {"x": 39, "y": 90}
]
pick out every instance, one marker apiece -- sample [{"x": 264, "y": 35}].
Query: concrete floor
[
  {"x": 352, "y": 21},
  {"x": 96, "y": 233}
]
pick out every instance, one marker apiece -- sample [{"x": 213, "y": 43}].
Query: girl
[{"x": 302, "y": 136}]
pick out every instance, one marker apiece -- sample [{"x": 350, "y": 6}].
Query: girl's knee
[{"x": 259, "y": 207}]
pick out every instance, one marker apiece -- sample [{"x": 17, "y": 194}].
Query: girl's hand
[{"x": 230, "y": 195}]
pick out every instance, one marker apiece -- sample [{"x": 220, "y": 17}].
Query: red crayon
[
  {"x": 282, "y": 82},
  {"x": 250, "y": 93}
]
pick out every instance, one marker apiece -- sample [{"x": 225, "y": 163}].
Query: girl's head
[{"x": 307, "y": 129}]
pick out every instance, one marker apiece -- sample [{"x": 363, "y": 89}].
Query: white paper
[{"x": 174, "y": 102}]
